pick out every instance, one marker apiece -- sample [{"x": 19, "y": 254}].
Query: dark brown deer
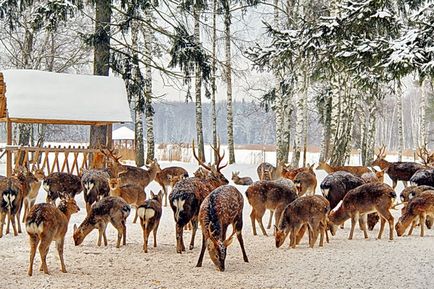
[
  {"x": 305, "y": 182},
  {"x": 150, "y": 214},
  {"x": 310, "y": 211},
  {"x": 221, "y": 208},
  {"x": 95, "y": 186},
  {"x": 56, "y": 183},
  {"x": 187, "y": 196},
  {"x": 110, "y": 209},
  {"x": 11, "y": 194},
  {"x": 367, "y": 198},
  {"x": 268, "y": 195},
  {"x": 46, "y": 223},
  {"x": 426, "y": 157},
  {"x": 397, "y": 171},
  {"x": 168, "y": 177},
  {"x": 243, "y": 181},
  {"x": 418, "y": 207},
  {"x": 423, "y": 177}
]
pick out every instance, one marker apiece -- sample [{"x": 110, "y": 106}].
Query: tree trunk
[
  {"x": 400, "y": 121},
  {"x": 149, "y": 110},
  {"x": 213, "y": 78},
  {"x": 198, "y": 90},
  {"x": 326, "y": 131},
  {"x": 230, "y": 117},
  {"x": 422, "y": 116}
]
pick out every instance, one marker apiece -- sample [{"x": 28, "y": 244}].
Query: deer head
[
  {"x": 214, "y": 170},
  {"x": 380, "y": 156},
  {"x": 427, "y": 158},
  {"x": 217, "y": 250}
]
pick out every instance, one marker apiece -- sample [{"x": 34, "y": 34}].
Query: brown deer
[
  {"x": 305, "y": 182},
  {"x": 292, "y": 173},
  {"x": 243, "y": 181},
  {"x": 187, "y": 196},
  {"x": 110, "y": 209},
  {"x": 132, "y": 194},
  {"x": 46, "y": 223},
  {"x": 310, "y": 211},
  {"x": 355, "y": 170},
  {"x": 397, "y": 171},
  {"x": 374, "y": 177},
  {"x": 35, "y": 185},
  {"x": 426, "y": 157},
  {"x": 267, "y": 171},
  {"x": 168, "y": 177},
  {"x": 11, "y": 194},
  {"x": 95, "y": 186},
  {"x": 362, "y": 200},
  {"x": 418, "y": 207},
  {"x": 150, "y": 214},
  {"x": 56, "y": 183},
  {"x": 221, "y": 208},
  {"x": 27, "y": 180},
  {"x": 268, "y": 195}
]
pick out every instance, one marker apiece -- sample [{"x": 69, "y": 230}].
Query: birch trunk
[
  {"x": 230, "y": 117},
  {"x": 198, "y": 90},
  {"x": 399, "y": 119},
  {"x": 149, "y": 110},
  {"x": 422, "y": 115},
  {"x": 213, "y": 78}
]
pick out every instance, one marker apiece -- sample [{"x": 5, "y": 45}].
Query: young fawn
[
  {"x": 150, "y": 214},
  {"x": 269, "y": 195},
  {"x": 46, "y": 223},
  {"x": 243, "y": 181},
  {"x": 419, "y": 208},
  {"x": 310, "y": 211},
  {"x": 110, "y": 209},
  {"x": 221, "y": 208},
  {"x": 11, "y": 195},
  {"x": 367, "y": 198},
  {"x": 305, "y": 183}
]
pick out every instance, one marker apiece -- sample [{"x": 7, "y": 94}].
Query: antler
[
  {"x": 219, "y": 157},
  {"x": 381, "y": 151},
  {"x": 201, "y": 163},
  {"x": 423, "y": 154},
  {"x": 111, "y": 153}
]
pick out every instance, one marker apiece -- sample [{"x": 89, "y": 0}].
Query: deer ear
[
  {"x": 275, "y": 228},
  {"x": 75, "y": 227},
  {"x": 152, "y": 194}
]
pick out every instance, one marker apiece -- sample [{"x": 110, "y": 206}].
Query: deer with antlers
[
  {"x": 426, "y": 157},
  {"x": 187, "y": 196}
]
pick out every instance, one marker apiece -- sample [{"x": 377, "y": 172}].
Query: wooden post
[
  {"x": 109, "y": 136},
  {"x": 8, "y": 143}
]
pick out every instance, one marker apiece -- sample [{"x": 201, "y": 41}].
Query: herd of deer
[{"x": 110, "y": 188}]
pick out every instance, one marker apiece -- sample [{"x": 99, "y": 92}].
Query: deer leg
[
  {"x": 124, "y": 232},
  {"x": 193, "y": 235},
  {"x": 43, "y": 251},
  {"x": 270, "y": 221},
  {"x": 353, "y": 225},
  {"x": 26, "y": 208},
  {"x": 315, "y": 232},
  {"x": 388, "y": 216},
  {"x": 422, "y": 218},
  {"x": 88, "y": 207},
  {"x": 292, "y": 241},
  {"x": 179, "y": 240},
  {"x": 59, "y": 245},
  {"x": 145, "y": 236},
  {"x": 14, "y": 225},
  {"x": 9, "y": 223},
  {"x": 300, "y": 234},
  {"x": 413, "y": 225},
  {"x": 155, "y": 233},
  {"x": 17, "y": 216},
  {"x": 321, "y": 237},
  {"x": 382, "y": 223},
  {"x": 2, "y": 221},
  {"x": 362, "y": 224},
  {"x": 259, "y": 215},
  {"x": 238, "y": 226},
  {"x": 135, "y": 216},
  {"x": 33, "y": 244},
  {"x": 252, "y": 218},
  {"x": 165, "y": 195},
  {"x": 394, "y": 183},
  {"x": 202, "y": 251}
]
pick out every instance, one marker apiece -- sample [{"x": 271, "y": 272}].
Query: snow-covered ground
[{"x": 405, "y": 262}]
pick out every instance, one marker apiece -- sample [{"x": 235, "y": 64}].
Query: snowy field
[{"x": 405, "y": 262}]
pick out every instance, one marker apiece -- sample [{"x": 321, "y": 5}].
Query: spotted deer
[
  {"x": 11, "y": 194},
  {"x": 35, "y": 185},
  {"x": 221, "y": 208},
  {"x": 95, "y": 186},
  {"x": 187, "y": 196},
  {"x": 307, "y": 211},
  {"x": 168, "y": 177},
  {"x": 357, "y": 203},
  {"x": 46, "y": 223},
  {"x": 243, "y": 181},
  {"x": 292, "y": 173},
  {"x": 305, "y": 182},
  {"x": 355, "y": 170},
  {"x": 56, "y": 183},
  {"x": 110, "y": 209},
  {"x": 150, "y": 214}
]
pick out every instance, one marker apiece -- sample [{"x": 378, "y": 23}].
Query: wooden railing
[{"x": 69, "y": 159}]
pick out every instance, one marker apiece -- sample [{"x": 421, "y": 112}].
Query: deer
[
  {"x": 95, "y": 186},
  {"x": 426, "y": 157},
  {"x": 35, "y": 185},
  {"x": 292, "y": 173},
  {"x": 110, "y": 209},
  {"x": 150, "y": 214},
  {"x": 11, "y": 194},
  {"x": 267, "y": 171},
  {"x": 423, "y": 177},
  {"x": 168, "y": 177},
  {"x": 374, "y": 176},
  {"x": 355, "y": 170},
  {"x": 45, "y": 223},
  {"x": 221, "y": 208},
  {"x": 305, "y": 182},
  {"x": 397, "y": 171},
  {"x": 419, "y": 207},
  {"x": 187, "y": 196},
  {"x": 310, "y": 211},
  {"x": 271, "y": 195},
  {"x": 56, "y": 183},
  {"x": 132, "y": 194},
  {"x": 243, "y": 181},
  {"x": 367, "y": 198}
]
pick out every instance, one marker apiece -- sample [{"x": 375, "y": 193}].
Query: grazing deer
[
  {"x": 285, "y": 182},
  {"x": 11, "y": 194},
  {"x": 132, "y": 194},
  {"x": 310, "y": 211},
  {"x": 305, "y": 182},
  {"x": 150, "y": 214},
  {"x": 267, "y": 171},
  {"x": 221, "y": 208},
  {"x": 168, "y": 177},
  {"x": 56, "y": 183},
  {"x": 243, "y": 181},
  {"x": 187, "y": 196},
  {"x": 46, "y": 223},
  {"x": 423, "y": 177},
  {"x": 355, "y": 170},
  {"x": 362, "y": 200},
  {"x": 419, "y": 207},
  {"x": 374, "y": 177},
  {"x": 110, "y": 209},
  {"x": 397, "y": 171},
  {"x": 95, "y": 186},
  {"x": 269, "y": 195}
]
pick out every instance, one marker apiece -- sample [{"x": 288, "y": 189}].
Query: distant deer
[
  {"x": 168, "y": 177},
  {"x": 243, "y": 181},
  {"x": 310, "y": 211},
  {"x": 373, "y": 177},
  {"x": 11, "y": 194},
  {"x": 355, "y": 170},
  {"x": 367, "y": 198},
  {"x": 46, "y": 223},
  {"x": 221, "y": 208},
  {"x": 305, "y": 182},
  {"x": 132, "y": 194},
  {"x": 112, "y": 210},
  {"x": 95, "y": 186},
  {"x": 267, "y": 171},
  {"x": 269, "y": 195},
  {"x": 420, "y": 207},
  {"x": 187, "y": 196},
  {"x": 56, "y": 183},
  {"x": 292, "y": 173},
  {"x": 426, "y": 157},
  {"x": 150, "y": 214},
  {"x": 397, "y": 171}
]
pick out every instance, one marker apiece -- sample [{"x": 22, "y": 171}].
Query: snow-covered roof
[
  {"x": 41, "y": 96},
  {"x": 123, "y": 133}
]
